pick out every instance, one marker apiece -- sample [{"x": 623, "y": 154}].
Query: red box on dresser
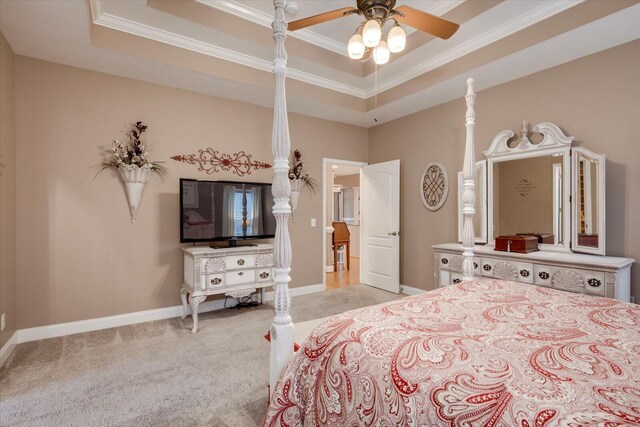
[{"x": 519, "y": 244}]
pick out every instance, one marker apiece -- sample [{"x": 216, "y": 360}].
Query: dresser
[
  {"x": 589, "y": 274},
  {"x": 230, "y": 271}
]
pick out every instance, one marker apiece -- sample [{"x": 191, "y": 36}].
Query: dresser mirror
[
  {"x": 588, "y": 212},
  {"x": 480, "y": 217},
  {"x": 527, "y": 198},
  {"x": 541, "y": 187}
]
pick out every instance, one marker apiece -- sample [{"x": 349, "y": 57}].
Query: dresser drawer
[
  {"x": 525, "y": 272},
  {"x": 542, "y": 275},
  {"x": 265, "y": 275},
  {"x": 456, "y": 278},
  {"x": 240, "y": 262},
  {"x": 214, "y": 281},
  {"x": 578, "y": 280},
  {"x": 240, "y": 277}
]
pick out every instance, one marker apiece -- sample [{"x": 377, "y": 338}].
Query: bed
[{"x": 485, "y": 352}]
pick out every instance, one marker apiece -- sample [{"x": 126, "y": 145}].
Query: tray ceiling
[{"x": 224, "y": 48}]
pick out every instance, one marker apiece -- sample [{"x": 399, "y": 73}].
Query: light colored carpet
[{"x": 158, "y": 373}]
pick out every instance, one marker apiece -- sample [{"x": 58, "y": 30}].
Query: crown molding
[
  {"x": 107, "y": 20},
  {"x": 264, "y": 19},
  {"x": 243, "y": 11},
  {"x": 524, "y": 20},
  {"x": 542, "y": 12}
]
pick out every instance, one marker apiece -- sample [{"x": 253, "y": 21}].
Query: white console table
[
  {"x": 590, "y": 274},
  {"x": 209, "y": 271}
]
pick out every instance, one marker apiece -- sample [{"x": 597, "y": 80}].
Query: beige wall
[
  {"x": 7, "y": 191},
  {"x": 79, "y": 257},
  {"x": 594, "y": 99},
  {"x": 348, "y": 180}
]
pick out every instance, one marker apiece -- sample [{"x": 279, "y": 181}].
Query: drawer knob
[
  {"x": 444, "y": 261},
  {"x": 456, "y": 281},
  {"x": 594, "y": 282},
  {"x": 543, "y": 275},
  {"x": 241, "y": 273},
  {"x": 216, "y": 281},
  {"x": 264, "y": 275},
  {"x": 241, "y": 262},
  {"x": 524, "y": 273},
  {"x": 475, "y": 265},
  {"x": 486, "y": 267}
]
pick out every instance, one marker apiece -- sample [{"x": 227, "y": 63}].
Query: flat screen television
[{"x": 225, "y": 210}]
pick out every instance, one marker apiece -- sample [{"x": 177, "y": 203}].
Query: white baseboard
[
  {"x": 8, "y": 347},
  {"x": 408, "y": 290},
  {"x": 69, "y": 328},
  {"x": 328, "y": 268}
]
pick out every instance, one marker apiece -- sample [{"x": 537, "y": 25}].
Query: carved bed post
[
  {"x": 469, "y": 194},
  {"x": 282, "y": 333}
]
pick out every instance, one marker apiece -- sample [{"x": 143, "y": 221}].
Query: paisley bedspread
[{"x": 489, "y": 352}]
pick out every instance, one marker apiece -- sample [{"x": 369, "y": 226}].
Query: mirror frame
[
  {"x": 554, "y": 142},
  {"x": 601, "y": 202},
  {"x": 481, "y": 193}
]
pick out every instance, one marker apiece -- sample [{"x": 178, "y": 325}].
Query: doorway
[{"x": 341, "y": 209}]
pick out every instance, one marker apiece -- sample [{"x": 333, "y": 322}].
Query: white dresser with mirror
[{"x": 540, "y": 186}]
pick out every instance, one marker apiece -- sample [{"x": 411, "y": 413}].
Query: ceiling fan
[{"x": 368, "y": 36}]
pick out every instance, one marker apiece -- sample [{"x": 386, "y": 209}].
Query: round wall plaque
[{"x": 434, "y": 186}]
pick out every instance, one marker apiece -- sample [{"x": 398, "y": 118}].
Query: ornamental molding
[
  {"x": 552, "y": 139},
  {"x": 264, "y": 260},
  {"x": 505, "y": 270},
  {"x": 567, "y": 279},
  {"x": 212, "y": 161},
  {"x": 214, "y": 265}
]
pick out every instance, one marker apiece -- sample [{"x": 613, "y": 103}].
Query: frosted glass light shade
[
  {"x": 381, "y": 53},
  {"x": 397, "y": 39},
  {"x": 371, "y": 33},
  {"x": 356, "y": 47}
]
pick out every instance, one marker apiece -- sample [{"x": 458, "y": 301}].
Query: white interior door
[{"x": 380, "y": 195}]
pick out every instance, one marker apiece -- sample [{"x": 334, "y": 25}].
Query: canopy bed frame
[
  {"x": 491, "y": 351},
  {"x": 282, "y": 331}
]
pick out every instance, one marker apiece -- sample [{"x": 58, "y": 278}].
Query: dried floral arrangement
[
  {"x": 132, "y": 152},
  {"x": 297, "y": 171}
]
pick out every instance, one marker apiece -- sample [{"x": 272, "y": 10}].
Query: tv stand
[{"x": 224, "y": 271}]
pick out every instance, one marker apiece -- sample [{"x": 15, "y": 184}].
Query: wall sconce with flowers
[
  {"x": 130, "y": 158},
  {"x": 299, "y": 179}
]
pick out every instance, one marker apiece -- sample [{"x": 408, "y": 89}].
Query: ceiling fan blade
[
  {"x": 318, "y": 19},
  {"x": 426, "y": 22}
]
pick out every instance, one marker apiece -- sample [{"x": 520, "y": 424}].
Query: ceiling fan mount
[
  {"x": 376, "y": 9},
  {"x": 368, "y": 36}
]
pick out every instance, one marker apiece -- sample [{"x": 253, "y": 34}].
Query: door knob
[{"x": 394, "y": 233}]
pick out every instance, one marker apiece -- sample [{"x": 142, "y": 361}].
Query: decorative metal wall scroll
[
  {"x": 434, "y": 186},
  {"x": 212, "y": 161}
]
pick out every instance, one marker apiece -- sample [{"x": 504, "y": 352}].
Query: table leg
[
  {"x": 195, "y": 302},
  {"x": 183, "y": 297}
]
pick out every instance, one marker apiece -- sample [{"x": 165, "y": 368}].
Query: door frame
[{"x": 326, "y": 161}]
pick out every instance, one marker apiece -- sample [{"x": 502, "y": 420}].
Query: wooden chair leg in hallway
[{"x": 348, "y": 256}]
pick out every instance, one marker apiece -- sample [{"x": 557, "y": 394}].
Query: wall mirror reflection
[{"x": 527, "y": 198}]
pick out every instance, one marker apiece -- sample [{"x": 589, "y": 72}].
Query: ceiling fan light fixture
[
  {"x": 397, "y": 39},
  {"x": 356, "y": 47},
  {"x": 381, "y": 53},
  {"x": 371, "y": 33}
]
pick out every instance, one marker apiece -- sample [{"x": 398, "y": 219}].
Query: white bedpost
[
  {"x": 469, "y": 185},
  {"x": 282, "y": 332}
]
